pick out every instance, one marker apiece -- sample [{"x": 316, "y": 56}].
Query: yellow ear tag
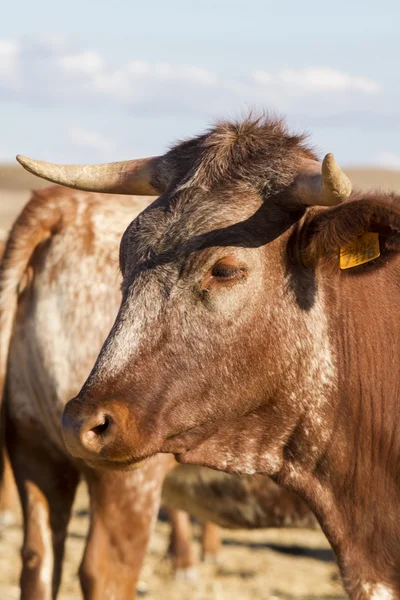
[{"x": 362, "y": 250}]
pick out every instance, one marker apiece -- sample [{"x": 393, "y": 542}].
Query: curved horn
[
  {"x": 126, "y": 177},
  {"x": 324, "y": 185}
]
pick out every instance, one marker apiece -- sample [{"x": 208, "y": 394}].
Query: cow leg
[
  {"x": 180, "y": 546},
  {"x": 8, "y": 494},
  {"x": 124, "y": 506},
  {"x": 210, "y": 542},
  {"x": 47, "y": 490}
]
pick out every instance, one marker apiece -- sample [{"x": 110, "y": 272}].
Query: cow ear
[{"x": 353, "y": 233}]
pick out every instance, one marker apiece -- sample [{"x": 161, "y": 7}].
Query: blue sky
[{"x": 95, "y": 81}]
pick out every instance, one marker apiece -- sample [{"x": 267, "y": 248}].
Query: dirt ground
[{"x": 258, "y": 565}]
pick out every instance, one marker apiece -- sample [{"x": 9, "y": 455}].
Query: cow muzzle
[{"x": 101, "y": 435}]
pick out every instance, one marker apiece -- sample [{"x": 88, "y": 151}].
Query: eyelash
[{"x": 223, "y": 272}]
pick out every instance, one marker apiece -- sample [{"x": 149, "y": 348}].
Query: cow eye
[{"x": 224, "y": 272}]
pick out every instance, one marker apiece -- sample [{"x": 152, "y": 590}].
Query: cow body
[
  {"x": 232, "y": 289},
  {"x": 8, "y": 494},
  {"x": 62, "y": 262},
  {"x": 232, "y": 501},
  {"x": 59, "y": 295}
]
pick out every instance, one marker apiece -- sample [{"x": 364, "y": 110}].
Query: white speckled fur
[
  {"x": 54, "y": 377},
  {"x": 378, "y": 591}
]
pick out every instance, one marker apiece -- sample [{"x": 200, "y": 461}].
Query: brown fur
[
  {"x": 59, "y": 233},
  {"x": 180, "y": 547},
  {"x": 292, "y": 368},
  {"x": 45, "y": 475},
  {"x": 233, "y": 501},
  {"x": 329, "y": 230},
  {"x": 8, "y": 493},
  {"x": 238, "y": 152}
]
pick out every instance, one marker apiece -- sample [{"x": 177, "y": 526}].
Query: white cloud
[
  {"x": 9, "y": 50},
  {"x": 85, "y": 63},
  {"x": 166, "y": 72},
  {"x": 89, "y": 139},
  {"x": 51, "y": 71},
  {"x": 137, "y": 80},
  {"x": 316, "y": 79},
  {"x": 261, "y": 77},
  {"x": 53, "y": 42}
]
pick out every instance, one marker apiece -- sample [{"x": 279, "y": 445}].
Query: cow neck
[{"x": 353, "y": 487}]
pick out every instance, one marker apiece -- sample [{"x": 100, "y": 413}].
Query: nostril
[
  {"x": 101, "y": 428},
  {"x": 87, "y": 432},
  {"x": 96, "y": 432}
]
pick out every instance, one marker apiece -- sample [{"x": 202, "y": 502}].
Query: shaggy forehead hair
[
  {"x": 206, "y": 177},
  {"x": 257, "y": 151}
]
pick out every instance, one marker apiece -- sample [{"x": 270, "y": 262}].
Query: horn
[
  {"x": 324, "y": 185},
  {"x": 126, "y": 177}
]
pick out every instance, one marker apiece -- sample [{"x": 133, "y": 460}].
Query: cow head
[{"x": 221, "y": 347}]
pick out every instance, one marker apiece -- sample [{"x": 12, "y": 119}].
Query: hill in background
[
  {"x": 15, "y": 184},
  {"x": 14, "y": 177}
]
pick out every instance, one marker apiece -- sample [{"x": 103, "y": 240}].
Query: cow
[
  {"x": 58, "y": 279},
  {"x": 180, "y": 546},
  {"x": 262, "y": 284},
  {"x": 220, "y": 500},
  {"x": 59, "y": 292},
  {"x": 233, "y": 502},
  {"x": 8, "y": 495}
]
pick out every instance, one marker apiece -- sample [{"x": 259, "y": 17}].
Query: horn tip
[
  {"x": 32, "y": 166},
  {"x": 329, "y": 160},
  {"x": 336, "y": 181},
  {"x": 24, "y": 161}
]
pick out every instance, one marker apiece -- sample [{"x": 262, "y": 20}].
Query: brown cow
[
  {"x": 59, "y": 292},
  {"x": 228, "y": 501},
  {"x": 180, "y": 546},
  {"x": 233, "y": 291}
]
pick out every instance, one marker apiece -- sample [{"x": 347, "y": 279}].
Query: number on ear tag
[{"x": 362, "y": 250}]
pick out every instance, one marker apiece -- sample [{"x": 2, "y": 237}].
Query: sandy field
[{"x": 258, "y": 565}]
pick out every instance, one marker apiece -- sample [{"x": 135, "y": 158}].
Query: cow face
[
  {"x": 221, "y": 343},
  {"x": 209, "y": 336}
]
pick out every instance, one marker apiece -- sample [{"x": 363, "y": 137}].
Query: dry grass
[{"x": 273, "y": 564}]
